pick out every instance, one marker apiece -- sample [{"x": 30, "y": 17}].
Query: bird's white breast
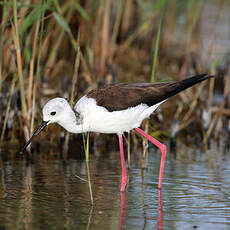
[{"x": 99, "y": 119}]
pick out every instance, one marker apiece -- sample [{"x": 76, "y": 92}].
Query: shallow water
[{"x": 48, "y": 194}]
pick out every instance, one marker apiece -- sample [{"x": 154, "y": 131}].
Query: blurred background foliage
[{"x": 65, "y": 48}]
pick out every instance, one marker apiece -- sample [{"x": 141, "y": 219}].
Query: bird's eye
[{"x": 52, "y": 113}]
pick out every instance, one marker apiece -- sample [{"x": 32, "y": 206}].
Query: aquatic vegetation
[{"x": 65, "y": 48}]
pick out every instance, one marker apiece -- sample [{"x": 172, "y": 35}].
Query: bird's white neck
[{"x": 71, "y": 122}]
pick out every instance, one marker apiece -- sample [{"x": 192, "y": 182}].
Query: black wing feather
[{"x": 124, "y": 95}]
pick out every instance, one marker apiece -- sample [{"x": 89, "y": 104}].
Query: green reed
[
  {"x": 86, "y": 148},
  {"x": 45, "y": 42}
]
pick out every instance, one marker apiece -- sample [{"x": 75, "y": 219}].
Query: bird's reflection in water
[
  {"x": 122, "y": 209},
  {"x": 160, "y": 224}
]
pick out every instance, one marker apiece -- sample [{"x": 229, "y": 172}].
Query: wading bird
[{"x": 115, "y": 109}]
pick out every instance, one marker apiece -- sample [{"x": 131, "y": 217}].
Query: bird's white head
[{"x": 56, "y": 110}]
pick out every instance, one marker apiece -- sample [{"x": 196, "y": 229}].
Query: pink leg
[
  {"x": 162, "y": 148},
  {"x": 123, "y": 175},
  {"x": 160, "y": 223},
  {"x": 122, "y": 209}
]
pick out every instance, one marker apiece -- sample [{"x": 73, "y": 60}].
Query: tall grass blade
[
  {"x": 156, "y": 51},
  {"x": 1, "y": 44},
  {"x": 86, "y": 148},
  {"x": 8, "y": 107},
  {"x": 40, "y": 24},
  {"x": 81, "y": 10},
  {"x": 19, "y": 59},
  {"x": 61, "y": 21},
  {"x": 116, "y": 27},
  {"x": 29, "y": 20},
  {"x": 212, "y": 81},
  {"x": 75, "y": 75},
  {"x": 32, "y": 63}
]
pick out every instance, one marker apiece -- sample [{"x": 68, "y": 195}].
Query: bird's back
[{"x": 124, "y": 95}]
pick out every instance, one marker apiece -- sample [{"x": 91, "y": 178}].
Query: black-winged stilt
[{"x": 115, "y": 109}]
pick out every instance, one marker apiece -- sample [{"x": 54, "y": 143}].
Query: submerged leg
[
  {"x": 123, "y": 173},
  {"x": 162, "y": 148}
]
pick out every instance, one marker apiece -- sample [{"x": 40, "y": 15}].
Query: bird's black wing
[{"x": 122, "y": 96}]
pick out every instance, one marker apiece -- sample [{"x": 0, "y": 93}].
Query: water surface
[{"x": 47, "y": 193}]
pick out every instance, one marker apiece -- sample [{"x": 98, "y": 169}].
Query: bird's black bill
[{"x": 40, "y": 128}]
